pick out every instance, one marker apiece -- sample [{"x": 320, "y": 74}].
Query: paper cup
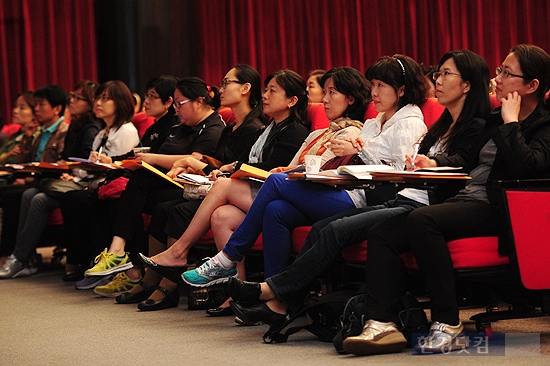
[
  {"x": 313, "y": 164},
  {"x": 142, "y": 149}
]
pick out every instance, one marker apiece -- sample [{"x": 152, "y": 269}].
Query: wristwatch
[{"x": 237, "y": 165}]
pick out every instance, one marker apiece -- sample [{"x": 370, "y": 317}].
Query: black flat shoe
[
  {"x": 74, "y": 276},
  {"x": 171, "y": 300},
  {"x": 129, "y": 298},
  {"x": 243, "y": 290},
  {"x": 172, "y": 273},
  {"x": 220, "y": 312},
  {"x": 259, "y": 313}
]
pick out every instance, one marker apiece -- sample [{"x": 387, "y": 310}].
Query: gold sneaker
[
  {"x": 376, "y": 338},
  {"x": 443, "y": 338},
  {"x": 120, "y": 284}
]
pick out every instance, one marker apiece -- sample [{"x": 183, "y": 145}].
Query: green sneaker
[
  {"x": 108, "y": 263},
  {"x": 120, "y": 284}
]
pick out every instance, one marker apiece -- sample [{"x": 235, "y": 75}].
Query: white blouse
[
  {"x": 388, "y": 144},
  {"x": 119, "y": 142}
]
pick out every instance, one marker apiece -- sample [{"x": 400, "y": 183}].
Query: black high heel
[
  {"x": 130, "y": 298},
  {"x": 171, "y": 300},
  {"x": 172, "y": 273},
  {"x": 243, "y": 290},
  {"x": 259, "y": 313}
]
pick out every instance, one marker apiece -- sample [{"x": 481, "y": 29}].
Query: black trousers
[
  {"x": 425, "y": 231},
  {"x": 10, "y": 200},
  {"x": 172, "y": 218},
  {"x": 143, "y": 193}
]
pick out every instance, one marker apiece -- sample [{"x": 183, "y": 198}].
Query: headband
[{"x": 400, "y": 63}]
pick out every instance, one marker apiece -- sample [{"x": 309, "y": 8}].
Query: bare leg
[
  {"x": 167, "y": 284},
  {"x": 117, "y": 245},
  {"x": 225, "y": 191},
  {"x": 269, "y": 297},
  {"x": 151, "y": 278},
  {"x": 224, "y": 221}
]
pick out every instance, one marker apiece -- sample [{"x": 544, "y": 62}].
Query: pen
[
  {"x": 416, "y": 147},
  {"x": 224, "y": 174},
  {"x": 99, "y": 153}
]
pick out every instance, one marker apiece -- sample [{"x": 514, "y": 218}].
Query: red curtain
[
  {"x": 44, "y": 42},
  {"x": 309, "y": 34}
]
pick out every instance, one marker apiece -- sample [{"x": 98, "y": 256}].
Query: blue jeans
[
  {"x": 289, "y": 204},
  {"x": 326, "y": 240},
  {"x": 35, "y": 208}
]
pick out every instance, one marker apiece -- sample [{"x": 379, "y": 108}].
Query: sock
[{"x": 223, "y": 261}]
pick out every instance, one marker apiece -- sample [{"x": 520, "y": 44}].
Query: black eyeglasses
[
  {"x": 506, "y": 74},
  {"x": 226, "y": 82},
  {"x": 443, "y": 74}
]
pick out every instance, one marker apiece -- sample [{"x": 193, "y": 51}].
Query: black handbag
[{"x": 203, "y": 298}]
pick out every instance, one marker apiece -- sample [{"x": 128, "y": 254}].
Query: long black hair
[
  {"x": 474, "y": 70},
  {"x": 248, "y": 74}
]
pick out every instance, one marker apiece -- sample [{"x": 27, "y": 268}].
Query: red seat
[
  {"x": 55, "y": 217},
  {"x": 142, "y": 122},
  {"x": 316, "y": 116},
  {"x": 530, "y": 221},
  {"x": 227, "y": 114}
]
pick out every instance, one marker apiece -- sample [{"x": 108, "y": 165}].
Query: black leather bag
[{"x": 203, "y": 298}]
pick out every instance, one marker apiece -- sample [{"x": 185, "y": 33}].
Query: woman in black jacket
[{"x": 515, "y": 144}]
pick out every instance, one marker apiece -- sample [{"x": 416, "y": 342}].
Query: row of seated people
[
  {"x": 282, "y": 205},
  {"x": 397, "y": 87}
]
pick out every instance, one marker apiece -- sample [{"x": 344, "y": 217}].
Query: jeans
[
  {"x": 326, "y": 240},
  {"x": 35, "y": 208},
  {"x": 290, "y": 204}
]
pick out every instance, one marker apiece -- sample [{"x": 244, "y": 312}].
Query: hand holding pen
[
  {"x": 416, "y": 147},
  {"x": 99, "y": 154}
]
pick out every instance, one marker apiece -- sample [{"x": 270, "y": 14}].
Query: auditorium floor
[{"x": 45, "y": 321}]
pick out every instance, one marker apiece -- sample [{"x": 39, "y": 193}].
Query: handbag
[
  {"x": 202, "y": 298},
  {"x": 115, "y": 182},
  {"x": 55, "y": 188},
  {"x": 351, "y": 159},
  {"x": 196, "y": 191}
]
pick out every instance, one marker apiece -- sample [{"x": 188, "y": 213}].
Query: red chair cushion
[
  {"x": 55, "y": 217},
  {"x": 465, "y": 253},
  {"x": 530, "y": 220},
  {"x": 208, "y": 239},
  {"x": 299, "y": 235}
]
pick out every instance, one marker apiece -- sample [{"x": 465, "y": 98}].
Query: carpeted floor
[{"x": 45, "y": 321}]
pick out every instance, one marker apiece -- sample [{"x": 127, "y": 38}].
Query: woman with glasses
[
  {"x": 462, "y": 87},
  {"x": 197, "y": 134},
  {"x": 84, "y": 125},
  {"x": 514, "y": 144},
  {"x": 158, "y": 104},
  {"x": 240, "y": 90},
  {"x": 111, "y": 103}
]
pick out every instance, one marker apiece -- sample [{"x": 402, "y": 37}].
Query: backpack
[
  {"x": 352, "y": 320},
  {"x": 324, "y": 317},
  {"x": 412, "y": 319}
]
